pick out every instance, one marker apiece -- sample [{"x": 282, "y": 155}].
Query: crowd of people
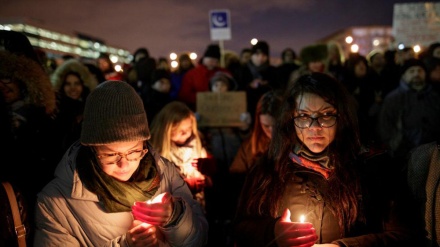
[{"x": 100, "y": 157}]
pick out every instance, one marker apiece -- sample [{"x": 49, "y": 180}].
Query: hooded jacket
[
  {"x": 69, "y": 66},
  {"x": 38, "y": 86},
  {"x": 68, "y": 214}
]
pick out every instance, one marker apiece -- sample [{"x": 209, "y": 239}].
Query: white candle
[{"x": 302, "y": 218}]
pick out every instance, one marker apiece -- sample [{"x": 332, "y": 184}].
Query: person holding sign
[{"x": 315, "y": 168}]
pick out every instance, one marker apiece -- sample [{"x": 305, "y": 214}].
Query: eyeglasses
[
  {"x": 325, "y": 121},
  {"x": 113, "y": 158}
]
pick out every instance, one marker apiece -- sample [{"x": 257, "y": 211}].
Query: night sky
[{"x": 164, "y": 26}]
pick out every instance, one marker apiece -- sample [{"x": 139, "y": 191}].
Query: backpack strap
[{"x": 20, "y": 230}]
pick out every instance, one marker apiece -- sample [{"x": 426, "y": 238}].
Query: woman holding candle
[
  {"x": 316, "y": 167},
  {"x": 106, "y": 187}
]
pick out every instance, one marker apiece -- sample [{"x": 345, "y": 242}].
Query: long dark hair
[{"x": 276, "y": 168}]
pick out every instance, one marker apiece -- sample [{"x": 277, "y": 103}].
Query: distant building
[
  {"x": 367, "y": 38},
  {"x": 56, "y": 44}
]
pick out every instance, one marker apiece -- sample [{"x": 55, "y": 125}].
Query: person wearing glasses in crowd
[
  {"x": 112, "y": 189},
  {"x": 315, "y": 186}
]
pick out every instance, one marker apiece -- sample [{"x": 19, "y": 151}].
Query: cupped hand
[
  {"x": 288, "y": 233},
  {"x": 156, "y": 213},
  {"x": 142, "y": 234}
]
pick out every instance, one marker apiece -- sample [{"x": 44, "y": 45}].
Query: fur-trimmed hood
[
  {"x": 39, "y": 88},
  {"x": 68, "y": 66}
]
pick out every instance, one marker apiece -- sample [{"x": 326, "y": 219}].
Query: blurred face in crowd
[
  {"x": 415, "y": 77},
  {"x": 210, "y": 62},
  {"x": 434, "y": 75},
  {"x": 378, "y": 61},
  {"x": 10, "y": 90},
  {"x": 185, "y": 63},
  {"x": 259, "y": 58},
  {"x": 360, "y": 69},
  {"x": 436, "y": 52},
  {"x": 163, "y": 85},
  {"x": 288, "y": 57},
  {"x": 267, "y": 122},
  {"x": 103, "y": 64},
  {"x": 182, "y": 131},
  {"x": 316, "y": 66},
  {"x": 245, "y": 57},
  {"x": 120, "y": 160},
  {"x": 73, "y": 87},
  {"x": 315, "y": 137},
  {"x": 219, "y": 87}
]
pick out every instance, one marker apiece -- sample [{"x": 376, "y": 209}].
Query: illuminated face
[
  {"x": 73, "y": 87},
  {"x": 10, "y": 90},
  {"x": 219, "y": 87},
  {"x": 415, "y": 77},
  {"x": 123, "y": 169},
  {"x": 259, "y": 58},
  {"x": 267, "y": 122},
  {"x": 182, "y": 131},
  {"x": 316, "y": 138}
]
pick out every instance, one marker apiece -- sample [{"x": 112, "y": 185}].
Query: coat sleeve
[{"x": 49, "y": 231}]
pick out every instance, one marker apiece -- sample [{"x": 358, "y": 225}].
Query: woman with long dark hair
[{"x": 317, "y": 185}]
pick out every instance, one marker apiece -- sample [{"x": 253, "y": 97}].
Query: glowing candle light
[
  {"x": 156, "y": 199},
  {"x": 302, "y": 218}
]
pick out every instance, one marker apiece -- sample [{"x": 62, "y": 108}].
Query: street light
[{"x": 354, "y": 48}]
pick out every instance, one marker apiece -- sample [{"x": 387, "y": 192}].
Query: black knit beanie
[
  {"x": 212, "y": 51},
  {"x": 114, "y": 112}
]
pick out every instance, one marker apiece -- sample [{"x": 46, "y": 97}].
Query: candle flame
[
  {"x": 157, "y": 199},
  {"x": 302, "y": 218}
]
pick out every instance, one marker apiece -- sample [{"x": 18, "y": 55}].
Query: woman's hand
[
  {"x": 196, "y": 184},
  {"x": 142, "y": 234},
  {"x": 154, "y": 213},
  {"x": 288, "y": 233}
]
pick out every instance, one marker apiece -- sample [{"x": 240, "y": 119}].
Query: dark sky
[{"x": 164, "y": 26}]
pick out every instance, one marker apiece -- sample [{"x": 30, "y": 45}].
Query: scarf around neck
[
  {"x": 317, "y": 162},
  {"x": 115, "y": 195}
]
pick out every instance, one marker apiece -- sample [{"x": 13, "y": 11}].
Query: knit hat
[
  {"x": 412, "y": 62},
  {"x": 114, "y": 112},
  {"x": 261, "y": 46},
  {"x": 224, "y": 77},
  {"x": 160, "y": 74},
  {"x": 313, "y": 53},
  {"x": 212, "y": 51}
]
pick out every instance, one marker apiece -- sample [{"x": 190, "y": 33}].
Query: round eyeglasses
[
  {"x": 113, "y": 158},
  {"x": 325, "y": 121}
]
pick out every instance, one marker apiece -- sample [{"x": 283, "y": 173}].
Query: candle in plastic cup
[
  {"x": 302, "y": 218},
  {"x": 156, "y": 199}
]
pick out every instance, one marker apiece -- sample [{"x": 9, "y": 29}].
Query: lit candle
[
  {"x": 157, "y": 199},
  {"x": 302, "y": 218}
]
